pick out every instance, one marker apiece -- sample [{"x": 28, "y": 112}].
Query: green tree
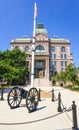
[
  {"x": 70, "y": 74},
  {"x": 77, "y": 70},
  {"x": 13, "y": 66}
]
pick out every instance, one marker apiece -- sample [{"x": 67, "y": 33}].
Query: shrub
[
  {"x": 75, "y": 88},
  {"x": 1, "y": 87}
]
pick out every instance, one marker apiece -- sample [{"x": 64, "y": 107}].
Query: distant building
[{"x": 52, "y": 55}]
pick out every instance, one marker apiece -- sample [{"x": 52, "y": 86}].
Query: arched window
[
  {"x": 16, "y": 47},
  {"x": 26, "y": 48},
  {"x": 39, "y": 49},
  {"x": 52, "y": 49},
  {"x": 63, "y": 49}
]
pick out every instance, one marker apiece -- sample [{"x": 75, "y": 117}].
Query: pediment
[{"x": 41, "y": 37}]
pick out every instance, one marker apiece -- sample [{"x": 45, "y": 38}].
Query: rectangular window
[
  {"x": 61, "y": 56},
  {"x": 54, "y": 69},
  {"x": 65, "y": 56},
  {"x": 63, "y": 63},
  {"x": 50, "y": 63},
  {"x": 39, "y": 63},
  {"x": 54, "y": 56},
  {"x": 54, "y": 63},
  {"x": 50, "y": 56}
]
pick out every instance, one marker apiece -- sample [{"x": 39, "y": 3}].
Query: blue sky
[{"x": 60, "y": 17}]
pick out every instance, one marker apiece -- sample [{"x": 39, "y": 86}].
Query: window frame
[
  {"x": 39, "y": 48},
  {"x": 52, "y": 48},
  {"x": 27, "y": 48},
  {"x": 63, "y": 49}
]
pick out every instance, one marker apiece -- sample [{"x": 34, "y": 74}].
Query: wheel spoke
[
  {"x": 11, "y": 99},
  {"x": 12, "y": 92},
  {"x": 11, "y": 95},
  {"x": 12, "y": 102},
  {"x": 28, "y": 103},
  {"x": 32, "y": 99},
  {"x": 18, "y": 92},
  {"x": 14, "y": 97},
  {"x": 17, "y": 102}
]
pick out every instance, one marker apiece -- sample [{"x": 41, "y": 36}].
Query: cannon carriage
[{"x": 16, "y": 95}]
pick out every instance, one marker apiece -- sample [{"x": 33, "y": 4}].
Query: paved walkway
[{"x": 45, "y": 117}]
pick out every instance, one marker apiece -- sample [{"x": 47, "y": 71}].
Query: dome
[{"x": 40, "y": 29}]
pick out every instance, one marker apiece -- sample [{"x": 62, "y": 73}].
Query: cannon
[{"x": 16, "y": 95}]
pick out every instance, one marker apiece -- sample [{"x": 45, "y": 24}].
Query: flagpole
[{"x": 33, "y": 48}]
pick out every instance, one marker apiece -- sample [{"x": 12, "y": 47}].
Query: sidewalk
[{"x": 45, "y": 117}]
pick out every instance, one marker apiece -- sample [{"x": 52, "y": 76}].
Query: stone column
[{"x": 47, "y": 67}]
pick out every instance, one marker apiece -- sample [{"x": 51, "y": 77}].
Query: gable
[{"x": 41, "y": 37}]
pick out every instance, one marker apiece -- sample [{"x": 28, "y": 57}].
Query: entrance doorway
[{"x": 39, "y": 72}]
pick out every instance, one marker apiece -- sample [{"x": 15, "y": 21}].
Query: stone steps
[{"x": 42, "y": 82}]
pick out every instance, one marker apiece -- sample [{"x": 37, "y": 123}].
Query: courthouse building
[{"x": 52, "y": 55}]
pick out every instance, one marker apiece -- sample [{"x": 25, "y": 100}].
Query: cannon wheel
[
  {"x": 32, "y": 99},
  {"x": 14, "y": 97}
]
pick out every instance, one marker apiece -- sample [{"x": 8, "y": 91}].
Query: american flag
[{"x": 35, "y": 11}]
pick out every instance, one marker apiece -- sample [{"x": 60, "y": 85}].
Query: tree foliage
[
  {"x": 69, "y": 75},
  {"x": 13, "y": 66}
]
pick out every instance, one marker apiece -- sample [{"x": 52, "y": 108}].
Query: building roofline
[
  {"x": 59, "y": 40},
  {"x": 21, "y": 40}
]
